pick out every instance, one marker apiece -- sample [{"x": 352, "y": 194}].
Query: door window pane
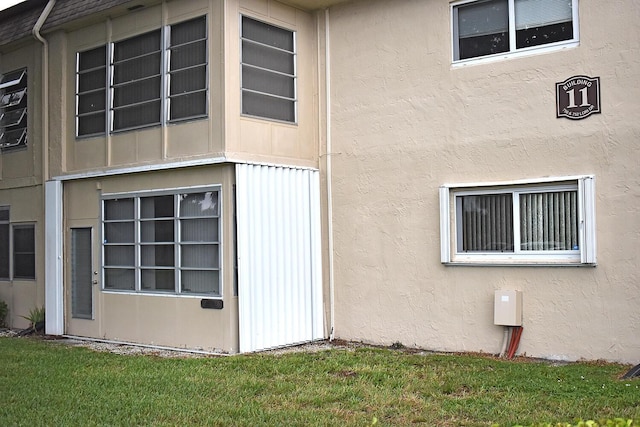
[{"x": 81, "y": 273}]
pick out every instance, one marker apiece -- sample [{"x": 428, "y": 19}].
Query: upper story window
[
  {"x": 268, "y": 71},
  {"x": 491, "y": 27},
  {"x": 136, "y": 85},
  {"x": 532, "y": 223},
  {"x": 13, "y": 109},
  {"x": 128, "y": 79},
  {"x": 188, "y": 70}
]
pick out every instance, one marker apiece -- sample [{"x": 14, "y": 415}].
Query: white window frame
[
  {"x": 178, "y": 243},
  {"x": 513, "y": 51},
  {"x": 585, "y": 255}
]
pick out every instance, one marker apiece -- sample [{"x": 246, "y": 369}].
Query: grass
[{"x": 48, "y": 383}]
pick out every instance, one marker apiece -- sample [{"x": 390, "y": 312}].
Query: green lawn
[{"x": 48, "y": 383}]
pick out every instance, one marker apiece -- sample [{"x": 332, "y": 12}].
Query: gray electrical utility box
[{"x": 507, "y": 308}]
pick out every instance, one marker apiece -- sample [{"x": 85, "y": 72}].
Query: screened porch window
[
  {"x": 91, "y": 91},
  {"x": 488, "y": 27},
  {"x": 268, "y": 71},
  {"x": 188, "y": 70},
  {"x": 163, "y": 243},
  {"x": 148, "y": 80},
  {"x": 136, "y": 88},
  {"x": 551, "y": 223},
  {"x": 13, "y": 109}
]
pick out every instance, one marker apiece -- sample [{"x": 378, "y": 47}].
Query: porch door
[{"x": 82, "y": 278}]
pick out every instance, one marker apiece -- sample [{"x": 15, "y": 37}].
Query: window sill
[
  {"x": 160, "y": 294},
  {"x": 517, "y": 261},
  {"x": 531, "y": 51}
]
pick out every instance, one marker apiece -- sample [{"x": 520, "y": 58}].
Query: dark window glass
[
  {"x": 268, "y": 71},
  {"x": 24, "y": 260},
  {"x": 91, "y": 95},
  {"x": 188, "y": 70},
  {"x": 13, "y": 110}
]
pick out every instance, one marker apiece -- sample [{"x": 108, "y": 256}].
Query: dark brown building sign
[{"x": 578, "y": 97}]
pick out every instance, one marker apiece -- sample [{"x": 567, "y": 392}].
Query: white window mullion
[
  {"x": 109, "y": 97},
  {"x": 164, "y": 74},
  {"x": 586, "y": 220},
  {"x": 516, "y": 222},
  {"x": 177, "y": 247},
  {"x": 137, "y": 246},
  {"x": 512, "y": 26}
]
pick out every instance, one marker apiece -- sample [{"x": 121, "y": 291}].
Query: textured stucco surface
[{"x": 405, "y": 121}]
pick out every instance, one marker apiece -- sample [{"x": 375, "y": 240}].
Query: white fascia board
[
  {"x": 172, "y": 165},
  {"x": 141, "y": 168}
]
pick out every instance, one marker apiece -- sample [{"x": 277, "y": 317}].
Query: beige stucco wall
[
  {"x": 176, "y": 321},
  {"x": 405, "y": 121}
]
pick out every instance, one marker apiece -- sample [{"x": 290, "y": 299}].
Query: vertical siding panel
[{"x": 279, "y": 256}]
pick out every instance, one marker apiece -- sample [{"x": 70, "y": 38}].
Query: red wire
[{"x": 515, "y": 342}]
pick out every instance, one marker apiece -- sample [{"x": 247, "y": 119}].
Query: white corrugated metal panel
[
  {"x": 279, "y": 259},
  {"x": 53, "y": 229}
]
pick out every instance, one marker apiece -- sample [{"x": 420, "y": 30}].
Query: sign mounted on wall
[{"x": 578, "y": 97}]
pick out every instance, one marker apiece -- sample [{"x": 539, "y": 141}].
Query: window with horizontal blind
[
  {"x": 165, "y": 242},
  {"x": 268, "y": 71},
  {"x": 489, "y": 27},
  {"x": 13, "y": 110},
  {"x": 522, "y": 223},
  {"x": 127, "y": 79}
]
